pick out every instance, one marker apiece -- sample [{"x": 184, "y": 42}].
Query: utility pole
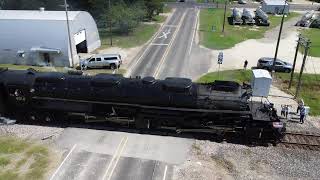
[
  {"x": 294, "y": 61},
  {"x": 110, "y": 21},
  {"x": 279, "y": 37},
  {"x": 224, "y": 16},
  {"x": 306, "y": 44},
  {"x": 68, "y": 27}
]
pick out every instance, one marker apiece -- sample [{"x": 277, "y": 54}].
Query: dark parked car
[{"x": 280, "y": 66}]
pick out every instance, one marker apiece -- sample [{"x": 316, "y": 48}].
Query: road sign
[{"x": 220, "y": 58}]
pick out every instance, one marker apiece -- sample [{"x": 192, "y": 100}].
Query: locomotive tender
[{"x": 174, "y": 103}]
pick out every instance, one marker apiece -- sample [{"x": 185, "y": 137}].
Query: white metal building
[
  {"x": 41, "y": 37},
  {"x": 275, "y": 6}
]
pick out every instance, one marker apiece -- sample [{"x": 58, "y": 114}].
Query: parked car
[
  {"x": 112, "y": 61},
  {"x": 280, "y": 66},
  {"x": 242, "y": 2}
]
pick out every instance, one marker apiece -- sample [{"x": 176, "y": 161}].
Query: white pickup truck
[{"x": 112, "y": 61}]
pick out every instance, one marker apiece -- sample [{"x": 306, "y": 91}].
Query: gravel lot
[
  {"x": 210, "y": 160},
  {"x": 36, "y": 133}
]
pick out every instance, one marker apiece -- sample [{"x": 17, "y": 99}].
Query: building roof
[
  {"x": 275, "y": 2},
  {"x": 261, "y": 73},
  {"x": 37, "y": 15}
]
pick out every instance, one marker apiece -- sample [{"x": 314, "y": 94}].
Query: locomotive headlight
[
  {"x": 277, "y": 124},
  {"x": 32, "y": 90},
  {"x": 17, "y": 92}
]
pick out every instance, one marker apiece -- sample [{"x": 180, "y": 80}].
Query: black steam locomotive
[{"x": 147, "y": 103}]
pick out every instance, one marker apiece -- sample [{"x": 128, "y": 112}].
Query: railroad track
[{"x": 298, "y": 140}]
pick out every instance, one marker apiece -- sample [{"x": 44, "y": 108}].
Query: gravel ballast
[
  {"x": 31, "y": 132},
  {"x": 210, "y": 160}
]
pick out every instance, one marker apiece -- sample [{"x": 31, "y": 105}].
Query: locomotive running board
[
  {"x": 214, "y": 131},
  {"x": 144, "y": 106}
]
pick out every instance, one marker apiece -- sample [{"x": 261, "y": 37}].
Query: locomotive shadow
[{"x": 218, "y": 138}]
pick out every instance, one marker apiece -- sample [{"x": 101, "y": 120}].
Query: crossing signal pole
[
  {"x": 110, "y": 21},
  {"x": 306, "y": 44},
  {"x": 294, "y": 61},
  {"x": 279, "y": 37}
]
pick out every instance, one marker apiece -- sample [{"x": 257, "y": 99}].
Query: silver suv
[{"x": 112, "y": 61}]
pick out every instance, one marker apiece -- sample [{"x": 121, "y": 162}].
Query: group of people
[{"x": 285, "y": 109}]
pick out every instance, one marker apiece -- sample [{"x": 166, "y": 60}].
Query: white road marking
[
  {"x": 155, "y": 44},
  {"x": 165, "y": 34},
  {"x": 170, "y": 25},
  {"x": 113, "y": 157},
  {"x": 115, "y": 165},
  {"x": 146, "y": 50},
  {"x": 194, "y": 32},
  {"x": 165, "y": 173},
  {"x": 156, "y": 73},
  {"x": 55, "y": 173}
]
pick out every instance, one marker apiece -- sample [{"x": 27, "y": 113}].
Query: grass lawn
[
  {"x": 233, "y": 34},
  {"x": 310, "y": 89},
  {"x": 159, "y": 18},
  {"x": 22, "y": 160},
  {"x": 166, "y": 9},
  {"x": 314, "y": 35},
  {"x": 229, "y": 75},
  {"x": 138, "y": 37},
  {"x": 58, "y": 69}
]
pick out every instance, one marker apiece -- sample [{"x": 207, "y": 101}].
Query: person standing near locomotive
[
  {"x": 302, "y": 114},
  {"x": 300, "y": 104},
  {"x": 283, "y": 110}
]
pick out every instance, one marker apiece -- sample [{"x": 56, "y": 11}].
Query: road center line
[
  {"x": 165, "y": 173},
  {"x": 170, "y": 25},
  {"x": 55, "y": 173},
  {"x": 195, "y": 30},
  {"x": 115, "y": 164},
  {"x": 156, "y": 73},
  {"x": 113, "y": 158},
  {"x": 155, "y": 44}
]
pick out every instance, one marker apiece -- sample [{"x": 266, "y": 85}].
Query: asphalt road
[
  {"x": 106, "y": 155},
  {"x": 153, "y": 55},
  {"x": 169, "y": 52},
  {"x": 176, "y": 62}
]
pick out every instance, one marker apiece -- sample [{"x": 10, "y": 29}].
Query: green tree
[
  {"x": 125, "y": 17},
  {"x": 154, "y": 7}
]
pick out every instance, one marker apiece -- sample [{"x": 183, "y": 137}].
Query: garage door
[{"x": 80, "y": 36}]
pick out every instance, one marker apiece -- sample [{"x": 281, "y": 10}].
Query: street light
[
  {"x": 224, "y": 15},
  {"x": 110, "y": 25},
  {"x": 68, "y": 27},
  {"x": 279, "y": 37}
]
